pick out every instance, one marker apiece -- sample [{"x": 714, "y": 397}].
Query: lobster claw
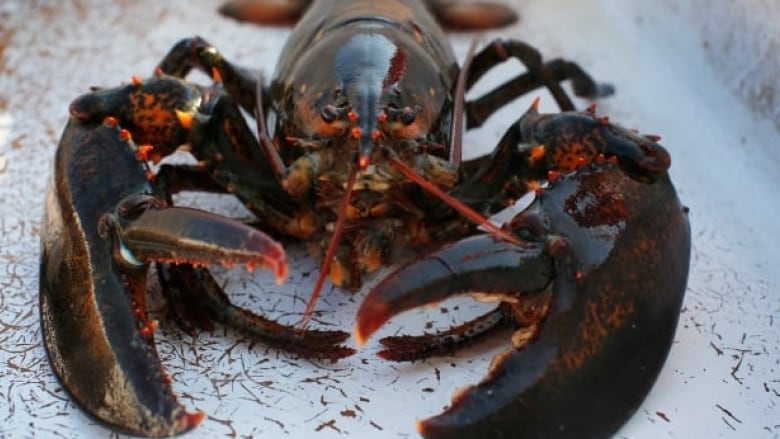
[
  {"x": 96, "y": 244},
  {"x": 603, "y": 294}
]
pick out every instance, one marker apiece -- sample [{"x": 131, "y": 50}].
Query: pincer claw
[
  {"x": 183, "y": 235},
  {"x": 98, "y": 239},
  {"x": 594, "y": 299}
]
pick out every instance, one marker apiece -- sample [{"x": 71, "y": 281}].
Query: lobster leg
[
  {"x": 243, "y": 85},
  {"x": 478, "y": 110},
  {"x": 541, "y": 147},
  {"x": 416, "y": 347},
  {"x": 197, "y": 53},
  {"x": 539, "y": 74},
  {"x": 207, "y": 303}
]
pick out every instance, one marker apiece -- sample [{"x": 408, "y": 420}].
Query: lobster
[{"x": 360, "y": 157}]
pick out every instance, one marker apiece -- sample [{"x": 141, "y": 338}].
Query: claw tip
[
  {"x": 280, "y": 272},
  {"x": 185, "y": 118},
  {"x": 193, "y": 419},
  {"x": 535, "y": 104},
  {"x": 360, "y": 337}
]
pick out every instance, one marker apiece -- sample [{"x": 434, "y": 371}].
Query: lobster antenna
[
  {"x": 453, "y": 202},
  {"x": 335, "y": 238}
]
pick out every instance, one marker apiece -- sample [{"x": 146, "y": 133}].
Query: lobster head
[{"x": 358, "y": 90}]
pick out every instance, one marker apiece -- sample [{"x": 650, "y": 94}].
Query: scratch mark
[
  {"x": 728, "y": 413},
  {"x": 328, "y": 424}
]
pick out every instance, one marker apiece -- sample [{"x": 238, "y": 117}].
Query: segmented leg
[
  {"x": 197, "y": 53},
  {"x": 417, "y": 347},
  {"x": 245, "y": 86},
  {"x": 542, "y": 147},
  {"x": 524, "y": 316},
  {"x": 539, "y": 74},
  {"x": 198, "y": 301},
  {"x": 479, "y": 109}
]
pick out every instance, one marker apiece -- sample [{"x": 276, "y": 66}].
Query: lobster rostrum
[{"x": 358, "y": 151}]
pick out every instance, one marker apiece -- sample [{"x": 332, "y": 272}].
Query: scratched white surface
[{"x": 723, "y": 375}]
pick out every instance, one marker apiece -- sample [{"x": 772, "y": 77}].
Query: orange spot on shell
[
  {"x": 356, "y": 133},
  {"x": 148, "y": 329},
  {"x": 135, "y": 80},
  {"x": 110, "y": 121},
  {"x": 371, "y": 260},
  {"x": 533, "y": 185},
  {"x": 158, "y": 71},
  {"x": 185, "y": 119},
  {"x": 124, "y": 134},
  {"x": 339, "y": 274},
  {"x": 352, "y": 115},
  {"x": 193, "y": 419},
  {"x": 144, "y": 152},
  {"x": 535, "y": 104},
  {"x": 553, "y": 175},
  {"x": 537, "y": 153},
  {"x": 382, "y": 117},
  {"x": 216, "y": 76}
]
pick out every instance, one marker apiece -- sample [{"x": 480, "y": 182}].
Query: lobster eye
[
  {"x": 329, "y": 113},
  {"x": 407, "y": 116}
]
